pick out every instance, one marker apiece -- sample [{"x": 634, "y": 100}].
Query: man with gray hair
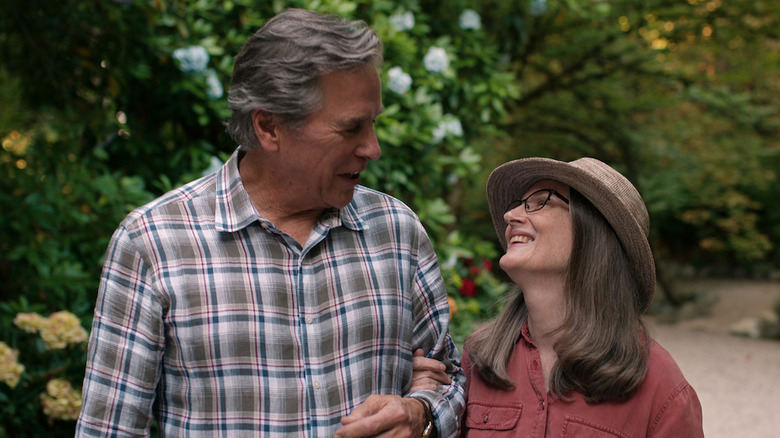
[{"x": 277, "y": 296}]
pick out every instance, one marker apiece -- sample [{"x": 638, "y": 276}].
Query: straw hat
[{"x": 609, "y": 191}]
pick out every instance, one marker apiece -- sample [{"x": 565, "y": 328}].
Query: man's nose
[{"x": 370, "y": 148}]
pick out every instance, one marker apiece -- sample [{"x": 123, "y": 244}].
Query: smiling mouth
[
  {"x": 352, "y": 175},
  {"x": 519, "y": 239}
]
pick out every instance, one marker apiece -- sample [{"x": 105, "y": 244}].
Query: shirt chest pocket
[
  {"x": 484, "y": 416},
  {"x": 582, "y": 428}
]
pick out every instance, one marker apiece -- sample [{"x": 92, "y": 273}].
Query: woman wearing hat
[{"x": 569, "y": 355}]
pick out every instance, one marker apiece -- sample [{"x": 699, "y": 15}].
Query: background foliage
[{"x": 100, "y": 114}]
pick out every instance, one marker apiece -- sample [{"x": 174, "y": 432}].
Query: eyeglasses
[{"x": 536, "y": 200}]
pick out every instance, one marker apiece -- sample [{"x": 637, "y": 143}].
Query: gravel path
[{"x": 737, "y": 379}]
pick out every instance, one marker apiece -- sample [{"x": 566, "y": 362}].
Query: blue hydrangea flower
[
  {"x": 436, "y": 60},
  {"x": 538, "y": 7},
  {"x": 402, "y": 22},
  {"x": 398, "y": 80},
  {"x": 470, "y": 19},
  {"x": 213, "y": 85},
  {"x": 192, "y": 59}
]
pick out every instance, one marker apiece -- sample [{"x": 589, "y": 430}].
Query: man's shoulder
[
  {"x": 369, "y": 199},
  {"x": 172, "y": 202},
  {"x": 376, "y": 210}
]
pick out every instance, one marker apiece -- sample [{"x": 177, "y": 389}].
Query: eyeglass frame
[{"x": 550, "y": 192}]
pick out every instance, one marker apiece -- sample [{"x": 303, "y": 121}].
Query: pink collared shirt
[{"x": 665, "y": 405}]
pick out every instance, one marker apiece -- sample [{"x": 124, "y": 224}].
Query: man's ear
[{"x": 266, "y": 129}]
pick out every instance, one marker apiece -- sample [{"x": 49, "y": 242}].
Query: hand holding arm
[
  {"x": 427, "y": 373},
  {"x": 384, "y": 416}
]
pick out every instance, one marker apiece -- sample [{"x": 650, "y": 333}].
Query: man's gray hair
[{"x": 278, "y": 67}]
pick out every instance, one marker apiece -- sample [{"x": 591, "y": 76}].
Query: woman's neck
[
  {"x": 545, "y": 304},
  {"x": 544, "y": 299}
]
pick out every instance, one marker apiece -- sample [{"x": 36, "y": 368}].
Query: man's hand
[
  {"x": 427, "y": 374},
  {"x": 384, "y": 416}
]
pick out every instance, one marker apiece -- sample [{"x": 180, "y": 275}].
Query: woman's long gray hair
[{"x": 278, "y": 67}]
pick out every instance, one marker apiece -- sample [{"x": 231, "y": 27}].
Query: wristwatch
[{"x": 427, "y": 431}]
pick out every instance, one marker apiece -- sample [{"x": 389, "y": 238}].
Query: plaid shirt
[{"x": 216, "y": 323}]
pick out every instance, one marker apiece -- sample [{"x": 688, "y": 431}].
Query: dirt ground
[{"x": 737, "y": 379}]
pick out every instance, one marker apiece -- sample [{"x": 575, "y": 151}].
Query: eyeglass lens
[
  {"x": 534, "y": 202},
  {"x": 537, "y": 200}
]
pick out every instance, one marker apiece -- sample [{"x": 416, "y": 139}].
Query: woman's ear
[{"x": 266, "y": 129}]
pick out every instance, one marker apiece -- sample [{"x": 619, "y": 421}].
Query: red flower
[
  {"x": 474, "y": 271},
  {"x": 468, "y": 289},
  {"x": 487, "y": 264}
]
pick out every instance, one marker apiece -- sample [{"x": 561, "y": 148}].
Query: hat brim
[{"x": 600, "y": 184}]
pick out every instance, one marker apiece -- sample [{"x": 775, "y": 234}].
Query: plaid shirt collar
[{"x": 235, "y": 211}]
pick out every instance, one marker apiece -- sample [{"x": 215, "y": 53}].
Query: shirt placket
[
  {"x": 310, "y": 327},
  {"x": 536, "y": 374}
]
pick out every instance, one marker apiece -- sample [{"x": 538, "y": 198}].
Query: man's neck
[{"x": 273, "y": 205}]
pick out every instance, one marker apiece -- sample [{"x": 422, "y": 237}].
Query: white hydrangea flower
[
  {"x": 439, "y": 132},
  {"x": 455, "y": 128},
  {"x": 450, "y": 125},
  {"x": 450, "y": 262},
  {"x": 436, "y": 60},
  {"x": 402, "y": 22},
  {"x": 213, "y": 85},
  {"x": 192, "y": 59},
  {"x": 470, "y": 19},
  {"x": 214, "y": 165},
  {"x": 398, "y": 80}
]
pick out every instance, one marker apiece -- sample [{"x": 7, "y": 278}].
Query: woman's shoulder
[
  {"x": 675, "y": 406},
  {"x": 661, "y": 360},
  {"x": 663, "y": 373}
]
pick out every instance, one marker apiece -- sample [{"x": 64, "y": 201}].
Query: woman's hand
[{"x": 427, "y": 374}]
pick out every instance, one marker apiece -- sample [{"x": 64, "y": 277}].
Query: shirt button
[
  {"x": 485, "y": 420},
  {"x": 309, "y": 319},
  {"x": 316, "y": 385}
]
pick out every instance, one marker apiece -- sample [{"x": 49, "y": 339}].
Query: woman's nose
[{"x": 516, "y": 214}]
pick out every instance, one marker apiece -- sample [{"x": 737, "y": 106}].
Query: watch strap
[{"x": 427, "y": 431}]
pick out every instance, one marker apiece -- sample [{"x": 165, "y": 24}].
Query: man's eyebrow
[{"x": 358, "y": 120}]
